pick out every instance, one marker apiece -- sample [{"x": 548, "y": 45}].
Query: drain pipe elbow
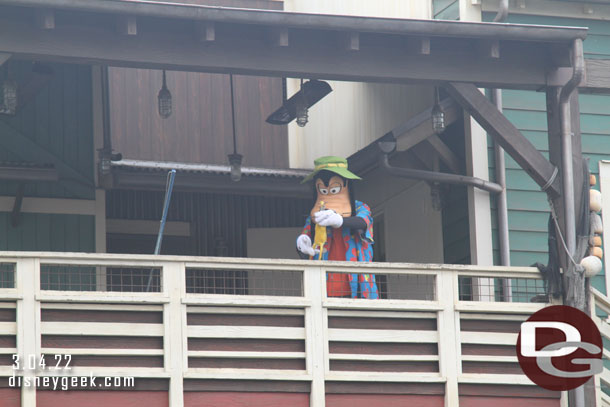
[{"x": 502, "y": 12}]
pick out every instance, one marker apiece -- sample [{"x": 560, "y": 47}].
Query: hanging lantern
[
  {"x": 302, "y": 108},
  {"x": 9, "y": 96},
  {"x": 438, "y": 115},
  {"x": 235, "y": 162},
  {"x": 165, "y": 100}
]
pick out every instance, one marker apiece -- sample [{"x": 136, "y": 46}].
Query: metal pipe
[
  {"x": 566, "y": 145},
  {"x": 502, "y": 12},
  {"x": 500, "y": 173},
  {"x": 568, "y": 170},
  {"x": 442, "y": 177},
  {"x": 501, "y": 198},
  {"x": 315, "y": 21}
]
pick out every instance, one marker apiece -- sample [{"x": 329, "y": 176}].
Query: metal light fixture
[
  {"x": 165, "y": 100},
  {"x": 235, "y": 158},
  {"x": 438, "y": 115},
  {"x": 302, "y": 109},
  {"x": 297, "y": 106},
  {"x": 9, "y": 96}
]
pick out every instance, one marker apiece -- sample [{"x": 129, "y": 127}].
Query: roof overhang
[{"x": 274, "y": 43}]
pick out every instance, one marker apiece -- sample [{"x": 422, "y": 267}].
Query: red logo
[{"x": 559, "y": 348}]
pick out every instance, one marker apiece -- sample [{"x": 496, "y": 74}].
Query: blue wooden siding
[
  {"x": 446, "y": 9},
  {"x": 59, "y": 120},
  {"x": 527, "y": 206}
]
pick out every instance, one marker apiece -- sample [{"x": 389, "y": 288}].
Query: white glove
[
  {"x": 328, "y": 217},
  {"x": 304, "y": 246}
]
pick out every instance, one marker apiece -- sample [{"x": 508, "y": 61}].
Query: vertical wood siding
[
  {"x": 211, "y": 216},
  {"x": 60, "y": 120},
  {"x": 528, "y": 209},
  {"x": 48, "y": 232}
]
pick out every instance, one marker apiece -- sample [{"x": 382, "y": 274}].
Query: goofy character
[{"x": 342, "y": 228}]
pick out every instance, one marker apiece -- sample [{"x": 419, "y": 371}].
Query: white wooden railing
[
  {"x": 600, "y": 305},
  {"x": 444, "y": 322}
]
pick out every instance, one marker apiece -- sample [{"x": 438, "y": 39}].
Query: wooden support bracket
[
  {"x": 45, "y": 19},
  {"x": 352, "y": 41},
  {"x": 445, "y": 154},
  {"x": 489, "y": 48},
  {"x": 419, "y": 45},
  {"x": 127, "y": 25},
  {"x": 206, "y": 31},
  {"x": 280, "y": 37},
  {"x": 505, "y": 133}
]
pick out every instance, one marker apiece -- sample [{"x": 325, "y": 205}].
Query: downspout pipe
[
  {"x": 500, "y": 174},
  {"x": 502, "y": 12},
  {"x": 568, "y": 169},
  {"x": 566, "y": 144},
  {"x": 388, "y": 147}
]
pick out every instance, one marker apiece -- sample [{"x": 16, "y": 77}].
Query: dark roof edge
[{"x": 316, "y": 21}]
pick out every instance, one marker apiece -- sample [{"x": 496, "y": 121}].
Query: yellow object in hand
[{"x": 320, "y": 238}]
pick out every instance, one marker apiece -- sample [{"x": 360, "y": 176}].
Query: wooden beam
[
  {"x": 524, "y": 65},
  {"x": 445, "y": 154},
  {"x": 504, "y": 133},
  {"x": 127, "y": 25},
  {"x": 45, "y": 19},
  {"x": 206, "y": 31},
  {"x": 419, "y": 127},
  {"x": 419, "y": 45},
  {"x": 25, "y": 148}
]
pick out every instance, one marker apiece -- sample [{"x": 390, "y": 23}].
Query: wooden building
[{"x": 226, "y": 315}]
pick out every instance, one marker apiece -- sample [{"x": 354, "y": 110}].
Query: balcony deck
[{"x": 268, "y": 339}]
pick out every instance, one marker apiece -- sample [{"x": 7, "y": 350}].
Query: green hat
[{"x": 334, "y": 164}]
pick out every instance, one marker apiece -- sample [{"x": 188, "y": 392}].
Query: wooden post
[
  {"x": 28, "y": 323},
  {"x": 174, "y": 321},
  {"x": 449, "y": 343},
  {"x": 315, "y": 338}
]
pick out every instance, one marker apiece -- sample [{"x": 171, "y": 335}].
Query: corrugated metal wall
[{"x": 218, "y": 221}]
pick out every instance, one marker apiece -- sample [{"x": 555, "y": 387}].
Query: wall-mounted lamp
[
  {"x": 165, "y": 100},
  {"x": 297, "y": 106},
  {"x": 438, "y": 115}
]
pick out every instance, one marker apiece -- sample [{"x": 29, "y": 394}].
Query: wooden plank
[
  {"x": 419, "y": 377},
  {"x": 245, "y": 374},
  {"x": 525, "y": 64},
  {"x": 102, "y": 352},
  {"x": 245, "y": 332},
  {"x": 365, "y": 335},
  {"x": 246, "y": 355},
  {"x": 504, "y": 133},
  {"x": 489, "y": 338},
  {"x": 103, "y": 329},
  {"x": 384, "y": 358}
]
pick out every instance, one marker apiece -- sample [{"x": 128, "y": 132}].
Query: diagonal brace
[{"x": 506, "y": 134}]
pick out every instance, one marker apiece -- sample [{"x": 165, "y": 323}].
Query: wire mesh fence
[
  {"x": 502, "y": 289},
  {"x": 60, "y": 277},
  {"x": 389, "y": 286},
  {"x": 7, "y": 275},
  {"x": 244, "y": 282}
]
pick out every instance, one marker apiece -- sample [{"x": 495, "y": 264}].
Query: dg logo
[{"x": 559, "y": 348}]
